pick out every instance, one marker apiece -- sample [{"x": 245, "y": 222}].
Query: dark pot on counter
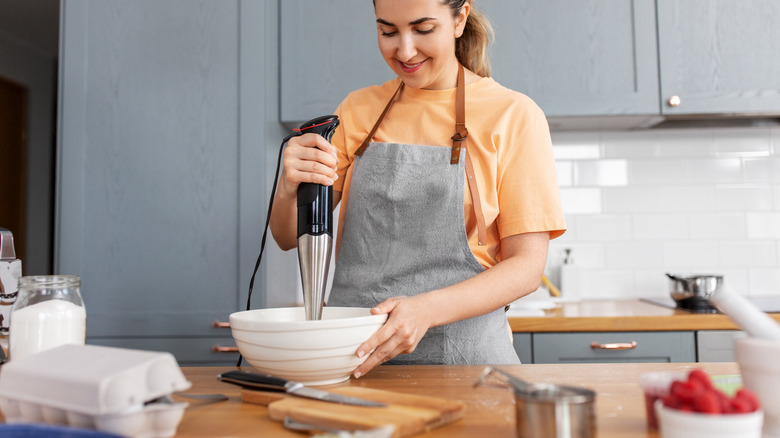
[{"x": 692, "y": 292}]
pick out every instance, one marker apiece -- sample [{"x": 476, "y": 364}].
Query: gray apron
[{"x": 404, "y": 234}]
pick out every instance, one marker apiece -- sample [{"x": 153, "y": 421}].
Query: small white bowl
[
  {"x": 281, "y": 342},
  {"x": 674, "y": 423},
  {"x": 758, "y": 359}
]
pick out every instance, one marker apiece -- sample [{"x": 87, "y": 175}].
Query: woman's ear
[{"x": 460, "y": 20}]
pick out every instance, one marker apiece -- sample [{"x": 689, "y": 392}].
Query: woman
[{"x": 449, "y": 189}]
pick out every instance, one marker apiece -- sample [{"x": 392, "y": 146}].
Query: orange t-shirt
[{"x": 508, "y": 140}]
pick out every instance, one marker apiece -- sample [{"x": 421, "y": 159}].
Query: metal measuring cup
[{"x": 546, "y": 410}]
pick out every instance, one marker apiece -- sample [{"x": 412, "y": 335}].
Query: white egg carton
[{"x": 115, "y": 390}]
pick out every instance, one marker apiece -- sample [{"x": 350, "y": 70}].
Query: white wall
[{"x": 640, "y": 204}]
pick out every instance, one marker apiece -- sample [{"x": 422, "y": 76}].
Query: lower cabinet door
[
  {"x": 216, "y": 351},
  {"x": 612, "y": 347},
  {"x": 522, "y": 344}
]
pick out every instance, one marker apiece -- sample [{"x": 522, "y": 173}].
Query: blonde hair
[{"x": 471, "y": 48}]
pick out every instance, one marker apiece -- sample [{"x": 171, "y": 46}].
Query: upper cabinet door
[
  {"x": 328, "y": 49},
  {"x": 719, "y": 56},
  {"x": 577, "y": 58}
]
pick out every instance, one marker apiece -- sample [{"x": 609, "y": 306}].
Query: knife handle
[{"x": 250, "y": 380}]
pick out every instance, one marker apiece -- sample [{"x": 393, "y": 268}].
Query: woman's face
[{"x": 417, "y": 40}]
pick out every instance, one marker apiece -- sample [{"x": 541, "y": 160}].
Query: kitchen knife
[{"x": 250, "y": 380}]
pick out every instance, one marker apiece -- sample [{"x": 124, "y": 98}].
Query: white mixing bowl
[{"x": 281, "y": 342}]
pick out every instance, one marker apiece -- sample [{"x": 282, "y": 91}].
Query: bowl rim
[{"x": 238, "y": 320}]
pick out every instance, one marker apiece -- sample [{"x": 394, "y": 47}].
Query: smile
[{"x": 409, "y": 68}]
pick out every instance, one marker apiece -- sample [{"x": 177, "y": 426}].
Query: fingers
[
  {"x": 400, "y": 334},
  {"x": 308, "y": 158}
]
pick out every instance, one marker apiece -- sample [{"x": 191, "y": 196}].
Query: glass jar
[{"x": 48, "y": 312}]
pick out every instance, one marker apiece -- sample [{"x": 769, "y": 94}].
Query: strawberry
[
  {"x": 707, "y": 402},
  {"x": 685, "y": 391},
  {"x": 701, "y": 376},
  {"x": 749, "y": 397},
  {"x": 741, "y": 405}
]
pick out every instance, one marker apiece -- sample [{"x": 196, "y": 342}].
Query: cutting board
[{"x": 410, "y": 414}]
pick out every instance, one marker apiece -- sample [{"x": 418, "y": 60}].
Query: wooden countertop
[
  {"x": 619, "y": 315},
  {"x": 490, "y": 411}
]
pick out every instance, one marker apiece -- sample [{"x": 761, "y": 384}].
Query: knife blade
[{"x": 252, "y": 380}]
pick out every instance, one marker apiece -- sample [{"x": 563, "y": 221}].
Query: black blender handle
[{"x": 315, "y": 201}]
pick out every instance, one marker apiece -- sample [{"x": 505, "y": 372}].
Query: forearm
[{"x": 283, "y": 223}]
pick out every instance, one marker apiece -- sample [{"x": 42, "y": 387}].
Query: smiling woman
[{"x": 449, "y": 189}]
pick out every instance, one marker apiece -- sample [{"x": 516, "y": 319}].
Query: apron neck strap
[{"x": 458, "y": 142}]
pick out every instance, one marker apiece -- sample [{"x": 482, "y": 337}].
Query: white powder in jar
[{"x": 46, "y": 325}]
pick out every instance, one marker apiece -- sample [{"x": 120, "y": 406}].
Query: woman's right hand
[{"x": 308, "y": 158}]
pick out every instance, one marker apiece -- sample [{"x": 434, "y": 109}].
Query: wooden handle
[
  {"x": 221, "y": 349},
  {"x": 220, "y": 324},
  {"x": 613, "y": 346}
]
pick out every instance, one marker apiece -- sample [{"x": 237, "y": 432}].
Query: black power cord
[{"x": 267, "y": 222}]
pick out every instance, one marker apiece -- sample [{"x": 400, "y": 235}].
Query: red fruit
[
  {"x": 741, "y": 406},
  {"x": 685, "y": 391},
  {"x": 701, "y": 376},
  {"x": 725, "y": 403},
  {"x": 750, "y": 398},
  {"x": 707, "y": 402},
  {"x": 671, "y": 401}
]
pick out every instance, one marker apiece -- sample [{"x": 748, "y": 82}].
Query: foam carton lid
[{"x": 91, "y": 379}]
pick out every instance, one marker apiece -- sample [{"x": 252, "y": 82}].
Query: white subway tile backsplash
[
  {"x": 744, "y": 197},
  {"x": 581, "y": 200},
  {"x": 604, "y": 228},
  {"x": 633, "y": 254},
  {"x": 601, "y": 173},
  {"x": 689, "y": 198},
  {"x": 632, "y": 199},
  {"x": 633, "y": 144},
  {"x": 682, "y": 143},
  {"x": 565, "y": 172},
  {"x": 743, "y": 142},
  {"x": 690, "y": 255},
  {"x": 642, "y": 203},
  {"x": 720, "y": 170},
  {"x": 748, "y": 254},
  {"x": 718, "y": 226},
  {"x": 658, "y": 171},
  {"x": 765, "y": 281},
  {"x": 763, "y": 225},
  {"x": 660, "y": 227},
  {"x": 762, "y": 169}
]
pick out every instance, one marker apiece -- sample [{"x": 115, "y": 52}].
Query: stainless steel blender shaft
[{"x": 314, "y": 258}]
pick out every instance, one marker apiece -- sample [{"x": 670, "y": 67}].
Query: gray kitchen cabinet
[
  {"x": 583, "y": 58},
  {"x": 167, "y": 111},
  {"x": 716, "y": 345},
  {"x": 328, "y": 49},
  {"x": 592, "y": 58},
  {"x": 614, "y": 347},
  {"x": 523, "y": 347},
  {"x": 719, "y": 56}
]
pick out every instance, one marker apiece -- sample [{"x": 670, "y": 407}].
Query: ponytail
[{"x": 471, "y": 48}]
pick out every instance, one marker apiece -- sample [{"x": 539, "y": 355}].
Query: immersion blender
[{"x": 315, "y": 228}]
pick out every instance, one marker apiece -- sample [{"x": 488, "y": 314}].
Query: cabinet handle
[
  {"x": 615, "y": 346},
  {"x": 220, "y": 324},
  {"x": 221, "y": 349},
  {"x": 674, "y": 101}
]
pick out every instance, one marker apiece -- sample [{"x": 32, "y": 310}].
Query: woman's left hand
[{"x": 408, "y": 320}]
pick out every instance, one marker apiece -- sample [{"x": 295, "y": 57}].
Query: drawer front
[
  {"x": 614, "y": 347},
  {"x": 188, "y": 351},
  {"x": 716, "y": 345},
  {"x": 522, "y": 344}
]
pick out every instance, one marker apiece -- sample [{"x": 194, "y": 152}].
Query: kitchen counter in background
[{"x": 619, "y": 315}]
